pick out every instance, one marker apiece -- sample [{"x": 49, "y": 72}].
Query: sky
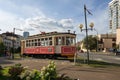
[{"x": 37, "y": 16}]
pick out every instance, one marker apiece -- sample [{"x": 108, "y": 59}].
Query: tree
[
  {"x": 92, "y": 42},
  {"x": 18, "y": 50},
  {"x": 78, "y": 48},
  {"x": 2, "y": 47}
]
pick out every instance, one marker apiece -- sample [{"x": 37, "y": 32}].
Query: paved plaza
[{"x": 67, "y": 67}]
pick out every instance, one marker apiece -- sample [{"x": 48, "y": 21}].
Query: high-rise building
[
  {"x": 25, "y": 34},
  {"x": 114, "y": 15}
]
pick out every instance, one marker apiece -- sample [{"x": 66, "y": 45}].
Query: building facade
[
  {"x": 114, "y": 15},
  {"x": 118, "y": 37},
  {"x": 9, "y": 40},
  {"x": 106, "y": 42}
]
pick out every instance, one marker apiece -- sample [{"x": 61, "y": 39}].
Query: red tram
[{"x": 52, "y": 44}]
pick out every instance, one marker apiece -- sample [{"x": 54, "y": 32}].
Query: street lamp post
[
  {"x": 13, "y": 43},
  {"x": 86, "y": 29},
  {"x": 14, "y": 40}
]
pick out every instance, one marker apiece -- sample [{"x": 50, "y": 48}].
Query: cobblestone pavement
[{"x": 67, "y": 67}]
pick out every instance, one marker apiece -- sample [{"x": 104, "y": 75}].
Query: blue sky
[{"x": 52, "y": 15}]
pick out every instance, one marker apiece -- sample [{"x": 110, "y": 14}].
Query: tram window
[
  {"x": 27, "y": 45},
  {"x": 68, "y": 41},
  {"x": 56, "y": 40},
  {"x": 38, "y": 39},
  {"x": 42, "y": 39},
  {"x": 50, "y": 43},
  {"x": 50, "y": 38},
  {"x": 39, "y": 43},
  {"x": 27, "y": 41},
  {"x": 46, "y": 43},
  {"x": 35, "y": 39},
  {"x": 46, "y": 38},
  {"x": 35, "y": 44},
  {"x": 32, "y": 44},
  {"x": 72, "y": 40},
  {"x": 63, "y": 40},
  {"x": 42, "y": 43},
  {"x": 59, "y": 41}
]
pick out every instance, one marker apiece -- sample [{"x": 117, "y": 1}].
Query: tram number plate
[{"x": 49, "y": 49}]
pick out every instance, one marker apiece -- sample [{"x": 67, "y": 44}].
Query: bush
[
  {"x": 46, "y": 73},
  {"x": 30, "y": 75},
  {"x": 17, "y": 72},
  {"x": 49, "y": 72},
  {"x": 1, "y": 70}
]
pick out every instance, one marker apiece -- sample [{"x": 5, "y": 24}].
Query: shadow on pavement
[{"x": 4, "y": 60}]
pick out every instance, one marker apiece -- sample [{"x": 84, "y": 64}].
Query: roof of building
[{"x": 10, "y": 34}]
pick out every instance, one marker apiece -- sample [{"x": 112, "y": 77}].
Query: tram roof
[{"x": 51, "y": 33}]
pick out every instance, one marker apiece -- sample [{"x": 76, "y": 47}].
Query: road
[{"x": 102, "y": 57}]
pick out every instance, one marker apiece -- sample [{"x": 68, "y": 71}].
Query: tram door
[
  {"x": 22, "y": 46},
  {"x": 59, "y": 41}
]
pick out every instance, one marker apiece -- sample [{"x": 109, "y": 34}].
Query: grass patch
[
  {"x": 17, "y": 56},
  {"x": 102, "y": 64},
  {"x": 94, "y": 63},
  {"x": 5, "y": 71},
  {"x": 5, "y": 74}
]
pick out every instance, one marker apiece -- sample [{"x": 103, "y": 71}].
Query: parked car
[
  {"x": 117, "y": 52},
  {"x": 111, "y": 50}
]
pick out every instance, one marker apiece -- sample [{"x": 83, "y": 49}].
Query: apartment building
[
  {"x": 114, "y": 15},
  {"x": 9, "y": 40}
]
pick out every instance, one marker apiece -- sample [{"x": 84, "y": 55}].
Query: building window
[{"x": 113, "y": 39}]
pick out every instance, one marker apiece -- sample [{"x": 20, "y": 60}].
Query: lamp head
[
  {"x": 81, "y": 26},
  {"x": 91, "y": 25}
]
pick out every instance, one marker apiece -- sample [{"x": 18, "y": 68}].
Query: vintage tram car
[{"x": 52, "y": 44}]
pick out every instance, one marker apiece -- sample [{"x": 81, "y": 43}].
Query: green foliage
[
  {"x": 46, "y": 73},
  {"x": 18, "y": 50},
  {"x": 4, "y": 75},
  {"x": 78, "y": 48},
  {"x": 2, "y": 47},
  {"x": 1, "y": 70},
  {"x": 92, "y": 42},
  {"x": 63, "y": 77},
  {"x": 30, "y": 75},
  {"x": 5, "y": 70},
  {"x": 49, "y": 72},
  {"x": 17, "y": 72}
]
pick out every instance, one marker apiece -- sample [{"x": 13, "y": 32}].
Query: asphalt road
[{"x": 109, "y": 57}]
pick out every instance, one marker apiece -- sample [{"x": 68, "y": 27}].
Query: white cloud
[
  {"x": 15, "y": 16},
  {"x": 48, "y": 24},
  {"x": 8, "y": 21},
  {"x": 67, "y": 23},
  {"x": 33, "y": 19}
]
